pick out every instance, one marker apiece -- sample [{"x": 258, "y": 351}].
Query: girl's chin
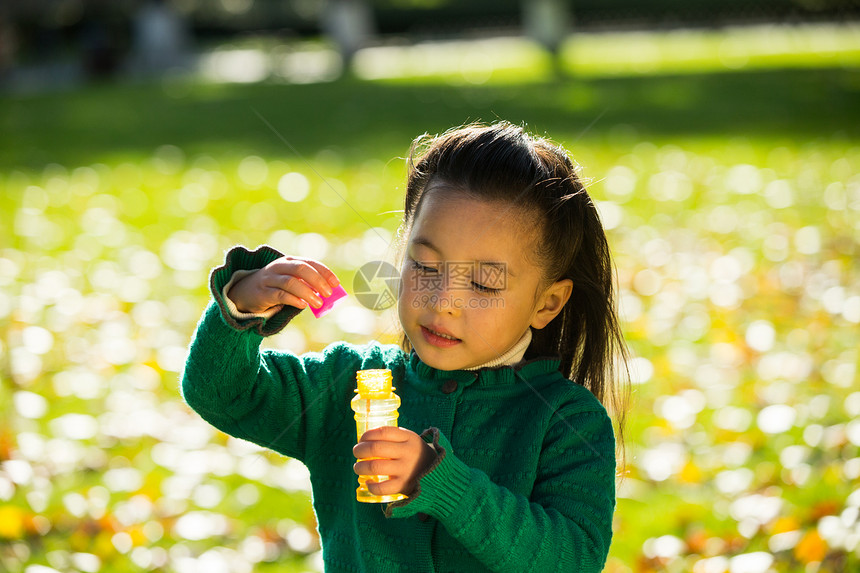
[{"x": 435, "y": 358}]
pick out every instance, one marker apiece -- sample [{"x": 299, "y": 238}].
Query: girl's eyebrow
[
  {"x": 425, "y": 242},
  {"x": 500, "y": 266}
]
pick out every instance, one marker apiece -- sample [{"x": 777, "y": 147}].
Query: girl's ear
[{"x": 551, "y": 302}]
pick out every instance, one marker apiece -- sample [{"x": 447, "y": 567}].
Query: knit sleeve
[
  {"x": 275, "y": 399},
  {"x": 564, "y": 525},
  {"x": 241, "y": 259}
]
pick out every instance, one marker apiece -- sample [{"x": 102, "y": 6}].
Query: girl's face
[{"x": 469, "y": 289}]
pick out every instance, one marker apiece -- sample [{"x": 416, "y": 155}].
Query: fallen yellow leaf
[
  {"x": 811, "y": 548},
  {"x": 11, "y": 522},
  {"x": 784, "y": 524}
]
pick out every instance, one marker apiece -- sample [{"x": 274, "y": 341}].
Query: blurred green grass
[
  {"x": 732, "y": 202},
  {"x": 373, "y": 119}
]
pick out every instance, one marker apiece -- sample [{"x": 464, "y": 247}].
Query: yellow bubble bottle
[{"x": 375, "y": 406}]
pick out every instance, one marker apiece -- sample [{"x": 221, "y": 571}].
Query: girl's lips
[{"x": 435, "y": 339}]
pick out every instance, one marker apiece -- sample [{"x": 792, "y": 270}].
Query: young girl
[{"x": 510, "y": 344}]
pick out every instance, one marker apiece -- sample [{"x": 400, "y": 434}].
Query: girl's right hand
[{"x": 294, "y": 281}]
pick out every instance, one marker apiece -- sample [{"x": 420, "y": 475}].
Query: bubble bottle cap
[
  {"x": 337, "y": 293},
  {"x": 374, "y": 383}
]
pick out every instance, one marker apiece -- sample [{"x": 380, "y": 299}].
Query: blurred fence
[
  {"x": 66, "y": 41},
  {"x": 421, "y": 17}
]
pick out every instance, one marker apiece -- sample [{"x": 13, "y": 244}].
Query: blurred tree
[
  {"x": 349, "y": 23},
  {"x": 101, "y": 34},
  {"x": 546, "y": 22},
  {"x": 8, "y": 47},
  {"x": 160, "y": 38}
]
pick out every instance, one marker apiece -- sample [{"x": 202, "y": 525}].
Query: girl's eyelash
[
  {"x": 419, "y": 267},
  {"x": 477, "y": 286},
  {"x": 485, "y": 289}
]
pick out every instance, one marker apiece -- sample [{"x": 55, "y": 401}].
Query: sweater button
[
  {"x": 449, "y": 386},
  {"x": 423, "y": 516}
]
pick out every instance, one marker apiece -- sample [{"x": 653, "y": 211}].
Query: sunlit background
[{"x": 139, "y": 140}]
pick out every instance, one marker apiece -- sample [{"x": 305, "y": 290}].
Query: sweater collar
[
  {"x": 488, "y": 375},
  {"x": 512, "y": 356}
]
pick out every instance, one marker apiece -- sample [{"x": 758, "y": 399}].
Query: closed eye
[
  {"x": 422, "y": 268},
  {"x": 485, "y": 289}
]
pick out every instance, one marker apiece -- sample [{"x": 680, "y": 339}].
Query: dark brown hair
[{"x": 503, "y": 163}]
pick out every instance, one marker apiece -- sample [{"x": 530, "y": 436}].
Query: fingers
[
  {"x": 388, "y": 487},
  {"x": 288, "y": 280},
  {"x": 377, "y": 467},
  {"x": 325, "y": 273},
  {"x": 397, "y": 453},
  {"x": 299, "y": 282},
  {"x": 288, "y": 289},
  {"x": 387, "y": 472},
  {"x": 384, "y": 442},
  {"x": 284, "y": 297},
  {"x": 314, "y": 273},
  {"x": 389, "y": 434},
  {"x": 382, "y": 460},
  {"x": 376, "y": 448}
]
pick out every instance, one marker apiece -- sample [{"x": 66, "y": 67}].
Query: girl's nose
[{"x": 446, "y": 298}]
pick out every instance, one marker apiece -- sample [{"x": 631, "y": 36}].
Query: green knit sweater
[{"x": 524, "y": 479}]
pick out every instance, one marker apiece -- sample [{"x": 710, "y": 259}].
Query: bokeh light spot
[
  {"x": 776, "y": 418},
  {"x": 760, "y": 335},
  {"x": 293, "y": 187},
  {"x": 253, "y": 171}
]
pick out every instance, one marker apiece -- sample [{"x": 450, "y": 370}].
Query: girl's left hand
[{"x": 398, "y": 453}]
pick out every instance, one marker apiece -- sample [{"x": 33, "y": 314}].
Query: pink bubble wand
[{"x": 337, "y": 293}]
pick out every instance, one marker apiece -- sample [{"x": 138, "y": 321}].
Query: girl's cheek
[{"x": 406, "y": 281}]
